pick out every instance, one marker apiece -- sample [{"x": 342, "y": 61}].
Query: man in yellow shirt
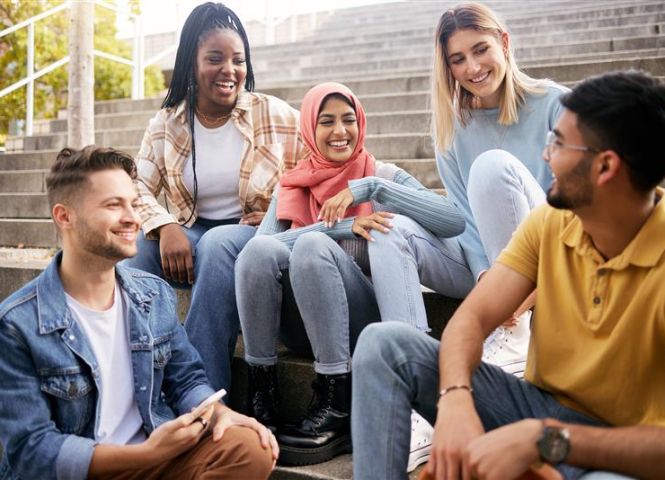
[{"x": 593, "y": 398}]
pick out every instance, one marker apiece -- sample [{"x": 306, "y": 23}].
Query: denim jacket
[{"x": 49, "y": 377}]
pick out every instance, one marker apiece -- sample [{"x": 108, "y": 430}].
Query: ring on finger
[{"x": 203, "y": 421}]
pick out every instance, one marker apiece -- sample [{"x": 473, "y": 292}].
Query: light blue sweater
[{"x": 524, "y": 139}]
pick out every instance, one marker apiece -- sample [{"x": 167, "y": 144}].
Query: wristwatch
[{"x": 554, "y": 444}]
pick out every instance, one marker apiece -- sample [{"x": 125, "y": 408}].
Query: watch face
[{"x": 553, "y": 446}]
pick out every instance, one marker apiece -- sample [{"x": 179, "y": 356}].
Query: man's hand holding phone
[
  {"x": 180, "y": 434},
  {"x": 197, "y": 412}
]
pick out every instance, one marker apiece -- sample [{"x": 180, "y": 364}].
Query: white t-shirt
[
  {"x": 218, "y": 154},
  {"x": 120, "y": 422}
]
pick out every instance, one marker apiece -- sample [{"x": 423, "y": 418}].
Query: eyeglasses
[{"x": 552, "y": 142}]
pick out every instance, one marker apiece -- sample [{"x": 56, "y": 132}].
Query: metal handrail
[
  {"x": 31, "y": 76},
  {"x": 138, "y": 63}
]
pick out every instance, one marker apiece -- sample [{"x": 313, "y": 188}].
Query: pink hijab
[{"x": 315, "y": 179}]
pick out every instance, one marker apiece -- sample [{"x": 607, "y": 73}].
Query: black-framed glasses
[{"x": 552, "y": 143}]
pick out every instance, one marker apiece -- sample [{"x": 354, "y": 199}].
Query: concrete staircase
[{"x": 383, "y": 53}]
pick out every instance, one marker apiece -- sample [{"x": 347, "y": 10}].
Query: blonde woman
[
  {"x": 490, "y": 126},
  {"x": 490, "y": 122}
]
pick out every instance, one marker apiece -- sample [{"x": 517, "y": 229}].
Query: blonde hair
[{"x": 449, "y": 99}]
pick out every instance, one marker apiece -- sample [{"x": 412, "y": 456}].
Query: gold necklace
[{"x": 213, "y": 121}]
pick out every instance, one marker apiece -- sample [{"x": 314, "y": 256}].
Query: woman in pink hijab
[{"x": 315, "y": 246}]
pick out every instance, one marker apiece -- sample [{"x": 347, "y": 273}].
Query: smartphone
[{"x": 214, "y": 398}]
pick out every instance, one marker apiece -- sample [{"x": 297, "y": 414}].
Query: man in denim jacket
[{"x": 96, "y": 374}]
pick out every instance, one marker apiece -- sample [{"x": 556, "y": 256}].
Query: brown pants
[{"x": 237, "y": 456}]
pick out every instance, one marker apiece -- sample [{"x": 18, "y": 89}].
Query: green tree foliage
[{"x": 112, "y": 79}]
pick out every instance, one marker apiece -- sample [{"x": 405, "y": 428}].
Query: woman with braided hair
[{"x": 216, "y": 149}]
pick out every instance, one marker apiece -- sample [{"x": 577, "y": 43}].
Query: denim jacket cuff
[
  {"x": 74, "y": 457},
  {"x": 195, "y": 396}
]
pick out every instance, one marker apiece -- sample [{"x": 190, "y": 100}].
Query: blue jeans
[
  {"x": 397, "y": 369},
  {"x": 501, "y": 193},
  {"x": 212, "y": 320},
  {"x": 407, "y": 256},
  {"x": 335, "y": 300}
]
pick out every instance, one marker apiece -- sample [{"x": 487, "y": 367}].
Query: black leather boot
[
  {"x": 264, "y": 395},
  {"x": 325, "y": 431}
]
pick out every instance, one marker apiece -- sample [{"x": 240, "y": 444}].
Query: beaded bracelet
[{"x": 449, "y": 389}]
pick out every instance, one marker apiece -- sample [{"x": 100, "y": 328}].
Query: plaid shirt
[{"x": 272, "y": 144}]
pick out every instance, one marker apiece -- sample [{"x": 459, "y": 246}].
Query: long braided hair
[{"x": 203, "y": 19}]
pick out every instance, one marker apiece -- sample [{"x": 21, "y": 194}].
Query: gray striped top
[{"x": 392, "y": 190}]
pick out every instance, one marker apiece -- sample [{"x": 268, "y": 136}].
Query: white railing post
[
  {"x": 293, "y": 28},
  {"x": 81, "y": 94},
  {"x": 138, "y": 71},
  {"x": 30, "y": 89}
]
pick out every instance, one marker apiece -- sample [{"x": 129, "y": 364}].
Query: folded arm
[{"x": 406, "y": 196}]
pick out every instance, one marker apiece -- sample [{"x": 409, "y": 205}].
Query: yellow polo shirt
[{"x": 598, "y": 334}]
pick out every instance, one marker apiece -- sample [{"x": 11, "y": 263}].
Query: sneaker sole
[
  {"x": 515, "y": 368},
  {"x": 309, "y": 456},
  {"x": 418, "y": 457}
]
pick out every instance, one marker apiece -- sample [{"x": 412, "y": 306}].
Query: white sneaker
[
  {"x": 421, "y": 441},
  {"x": 507, "y": 347}
]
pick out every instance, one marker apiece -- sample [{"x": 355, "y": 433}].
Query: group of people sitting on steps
[{"x": 288, "y": 229}]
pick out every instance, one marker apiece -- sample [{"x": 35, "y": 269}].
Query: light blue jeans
[
  {"x": 396, "y": 368},
  {"x": 212, "y": 320},
  {"x": 501, "y": 193},
  {"x": 336, "y": 301},
  {"x": 407, "y": 256}
]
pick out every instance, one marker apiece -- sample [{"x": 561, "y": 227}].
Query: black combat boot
[
  {"x": 325, "y": 431},
  {"x": 264, "y": 395}
]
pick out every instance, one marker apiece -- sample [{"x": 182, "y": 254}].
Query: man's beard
[
  {"x": 573, "y": 187},
  {"x": 96, "y": 243}
]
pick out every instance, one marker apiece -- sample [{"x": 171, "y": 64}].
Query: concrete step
[
  {"x": 33, "y": 181},
  {"x": 393, "y": 102},
  {"x": 388, "y": 83},
  {"x": 385, "y": 79},
  {"x": 431, "y": 11},
  {"x": 558, "y": 19},
  {"x": 58, "y": 140},
  {"x": 106, "y": 121},
  {"x": 423, "y": 169},
  {"x": 30, "y": 232},
  {"x": 510, "y": 11},
  {"x": 575, "y": 72},
  {"x": 618, "y": 21},
  {"x": 24, "y": 205},
  {"x": 421, "y": 41},
  {"x": 41, "y": 159},
  {"x": 23, "y": 181},
  {"x": 119, "y": 106},
  {"x": 513, "y": 13},
  {"x": 422, "y": 61},
  {"x": 611, "y": 25},
  {"x": 377, "y": 123}
]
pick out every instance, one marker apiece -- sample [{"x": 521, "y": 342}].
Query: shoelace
[
  {"x": 491, "y": 344},
  {"x": 317, "y": 414}
]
